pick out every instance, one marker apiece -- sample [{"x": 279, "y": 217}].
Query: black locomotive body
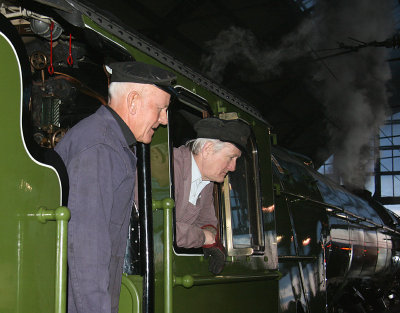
[{"x": 332, "y": 242}]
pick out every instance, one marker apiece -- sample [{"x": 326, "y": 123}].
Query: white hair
[
  {"x": 196, "y": 145},
  {"x": 116, "y": 89}
]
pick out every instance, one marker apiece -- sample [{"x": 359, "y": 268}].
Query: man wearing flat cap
[
  {"x": 101, "y": 165},
  {"x": 198, "y": 164}
]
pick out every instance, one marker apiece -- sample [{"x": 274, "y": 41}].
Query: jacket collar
[{"x": 124, "y": 129}]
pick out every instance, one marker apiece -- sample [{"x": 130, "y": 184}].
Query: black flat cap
[
  {"x": 142, "y": 73},
  {"x": 236, "y": 132}
]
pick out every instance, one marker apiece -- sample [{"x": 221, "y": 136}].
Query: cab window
[{"x": 242, "y": 207}]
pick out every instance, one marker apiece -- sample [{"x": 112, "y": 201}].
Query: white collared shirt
[{"x": 197, "y": 183}]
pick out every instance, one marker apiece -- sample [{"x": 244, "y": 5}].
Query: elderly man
[
  {"x": 101, "y": 167},
  {"x": 209, "y": 158}
]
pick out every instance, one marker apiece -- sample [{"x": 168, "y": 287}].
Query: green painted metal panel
[
  {"x": 131, "y": 294},
  {"x": 246, "y": 297},
  {"x": 28, "y": 247}
]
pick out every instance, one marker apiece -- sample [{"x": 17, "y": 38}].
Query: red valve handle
[{"x": 51, "y": 68}]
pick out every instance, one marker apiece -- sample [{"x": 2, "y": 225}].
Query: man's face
[
  {"x": 216, "y": 165},
  {"x": 151, "y": 111}
]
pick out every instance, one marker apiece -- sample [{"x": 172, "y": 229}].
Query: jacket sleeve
[
  {"x": 92, "y": 179},
  {"x": 189, "y": 236}
]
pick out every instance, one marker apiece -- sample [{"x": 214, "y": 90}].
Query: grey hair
[
  {"x": 120, "y": 88},
  {"x": 115, "y": 89},
  {"x": 196, "y": 145}
]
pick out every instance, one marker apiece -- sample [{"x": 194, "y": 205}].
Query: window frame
[
  {"x": 227, "y": 210},
  {"x": 200, "y": 104}
]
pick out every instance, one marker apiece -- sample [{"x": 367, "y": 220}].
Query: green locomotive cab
[{"x": 53, "y": 78}]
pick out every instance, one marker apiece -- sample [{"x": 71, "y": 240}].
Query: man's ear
[
  {"x": 132, "y": 101},
  {"x": 208, "y": 149}
]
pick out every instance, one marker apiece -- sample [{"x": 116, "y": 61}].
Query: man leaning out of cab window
[{"x": 197, "y": 165}]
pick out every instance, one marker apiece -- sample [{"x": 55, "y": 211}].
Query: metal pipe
[
  {"x": 189, "y": 281},
  {"x": 323, "y": 206},
  {"x": 61, "y": 215},
  {"x": 168, "y": 275},
  {"x": 167, "y": 205}
]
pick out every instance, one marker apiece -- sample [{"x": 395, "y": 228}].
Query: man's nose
[
  {"x": 163, "y": 119},
  {"x": 232, "y": 165}
]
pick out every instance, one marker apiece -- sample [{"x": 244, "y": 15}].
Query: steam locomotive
[{"x": 296, "y": 241}]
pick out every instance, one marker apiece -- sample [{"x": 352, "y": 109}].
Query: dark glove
[
  {"x": 216, "y": 252},
  {"x": 217, "y": 255}
]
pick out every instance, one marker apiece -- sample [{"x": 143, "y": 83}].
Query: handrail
[
  {"x": 189, "y": 281},
  {"x": 61, "y": 215},
  {"x": 167, "y": 205},
  {"x": 336, "y": 208},
  {"x": 289, "y": 258}
]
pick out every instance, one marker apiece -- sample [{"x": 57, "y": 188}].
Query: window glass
[
  {"x": 396, "y": 163},
  {"x": 385, "y": 131},
  {"x": 396, "y": 129},
  {"x": 327, "y": 167},
  {"x": 385, "y": 141},
  {"x": 239, "y": 185},
  {"x": 396, "y": 186},
  {"x": 396, "y": 139},
  {"x": 244, "y": 202},
  {"x": 387, "y": 186},
  {"x": 386, "y": 160},
  {"x": 394, "y": 207}
]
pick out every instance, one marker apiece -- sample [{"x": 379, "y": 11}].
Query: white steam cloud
[{"x": 353, "y": 91}]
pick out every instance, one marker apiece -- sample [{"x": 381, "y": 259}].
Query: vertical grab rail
[
  {"x": 61, "y": 215},
  {"x": 146, "y": 227},
  {"x": 167, "y": 205}
]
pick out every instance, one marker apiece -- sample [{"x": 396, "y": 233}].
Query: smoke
[
  {"x": 352, "y": 86},
  {"x": 357, "y": 100},
  {"x": 236, "y": 44}
]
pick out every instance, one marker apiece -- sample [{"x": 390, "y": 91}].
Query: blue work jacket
[{"x": 102, "y": 170}]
